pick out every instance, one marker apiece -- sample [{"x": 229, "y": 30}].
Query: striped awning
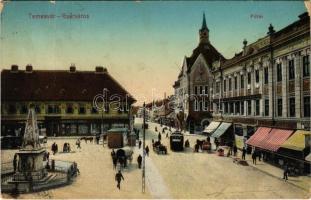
[
  {"x": 256, "y": 139},
  {"x": 221, "y": 129},
  {"x": 275, "y": 139},
  {"x": 211, "y": 127},
  {"x": 297, "y": 141}
]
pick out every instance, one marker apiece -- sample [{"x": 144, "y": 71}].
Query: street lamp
[{"x": 144, "y": 163}]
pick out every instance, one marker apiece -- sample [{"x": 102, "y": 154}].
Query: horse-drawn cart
[{"x": 159, "y": 148}]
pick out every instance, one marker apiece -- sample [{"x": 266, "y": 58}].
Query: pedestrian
[
  {"x": 48, "y": 156},
  {"x": 15, "y": 162},
  {"x": 166, "y": 135},
  {"x": 139, "y": 160},
  {"x": 97, "y": 138},
  {"x": 159, "y": 137},
  {"x": 118, "y": 178},
  {"x": 113, "y": 153},
  {"x": 216, "y": 143},
  {"x": 139, "y": 144},
  {"x": 56, "y": 148},
  {"x": 235, "y": 150},
  {"x": 254, "y": 157},
  {"x": 114, "y": 161},
  {"x": 147, "y": 150},
  {"x": 53, "y": 148},
  {"x": 243, "y": 153},
  {"x": 78, "y": 143},
  {"x": 285, "y": 173}
]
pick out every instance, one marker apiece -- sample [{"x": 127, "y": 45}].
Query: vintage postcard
[{"x": 155, "y": 99}]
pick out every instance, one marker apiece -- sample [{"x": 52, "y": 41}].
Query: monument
[{"x": 30, "y": 168}]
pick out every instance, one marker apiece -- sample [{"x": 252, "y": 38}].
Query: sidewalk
[{"x": 302, "y": 182}]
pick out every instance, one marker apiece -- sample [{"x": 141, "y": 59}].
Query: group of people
[{"x": 66, "y": 148}]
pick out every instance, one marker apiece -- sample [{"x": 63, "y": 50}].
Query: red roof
[
  {"x": 269, "y": 139},
  {"x": 58, "y": 85}
]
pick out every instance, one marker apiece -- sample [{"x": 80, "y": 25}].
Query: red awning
[
  {"x": 259, "y": 135},
  {"x": 275, "y": 139}
]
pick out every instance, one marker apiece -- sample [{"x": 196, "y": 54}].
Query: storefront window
[{"x": 83, "y": 129}]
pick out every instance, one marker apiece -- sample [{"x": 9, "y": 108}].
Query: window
[
  {"x": 306, "y": 106},
  {"x": 230, "y": 84},
  {"x": 249, "y": 78},
  {"x": 242, "y": 81},
  {"x": 231, "y": 108},
  {"x": 82, "y": 109},
  {"x": 279, "y": 72},
  {"x": 266, "y": 107},
  {"x": 217, "y": 87},
  {"x": 306, "y": 66},
  {"x": 292, "y": 107},
  {"x": 237, "y": 107},
  {"x": 257, "y": 104},
  {"x": 53, "y": 109},
  {"x": 242, "y": 107},
  {"x": 201, "y": 89},
  {"x": 249, "y": 107},
  {"x": 225, "y": 86},
  {"x": 24, "y": 109},
  {"x": 235, "y": 82},
  {"x": 206, "y": 89},
  {"x": 69, "y": 109},
  {"x": 37, "y": 109},
  {"x": 257, "y": 75},
  {"x": 291, "y": 70},
  {"x": 195, "y": 90},
  {"x": 266, "y": 75},
  {"x": 226, "y": 107},
  {"x": 280, "y": 107},
  {"x": 12, "y": 109}
]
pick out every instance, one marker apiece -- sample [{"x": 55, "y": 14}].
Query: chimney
[
  {"x": 14, "y": 68},
  {"x": 100, "y": 69},
  {"x": 29, "y": 68},
  {"x": 72, "y": 68}
]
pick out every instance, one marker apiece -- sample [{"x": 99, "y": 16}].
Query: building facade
[
  {"x": 64, "y": 100},
  {"x": 268, "y": 83}
]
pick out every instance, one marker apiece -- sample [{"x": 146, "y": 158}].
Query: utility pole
[{"x": 144, "y": 163}]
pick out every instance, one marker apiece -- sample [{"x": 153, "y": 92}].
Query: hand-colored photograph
[{"x": 155, "y": 99}]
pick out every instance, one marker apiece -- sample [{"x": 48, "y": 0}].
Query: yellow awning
[{"x": 296, "y": 141}]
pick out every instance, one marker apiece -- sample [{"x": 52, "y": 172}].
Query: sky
[{"x": 142, "y": 44}]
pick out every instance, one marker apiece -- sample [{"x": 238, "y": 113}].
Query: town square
[{"x": 155, "y": 100}]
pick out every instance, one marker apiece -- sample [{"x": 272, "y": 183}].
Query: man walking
[
  {"x": 159, "y": 137},
  {"x": 147, "y": 150},
  {"x": 285, "y": 173},
  {"x": 139, "y": 160},
  {"x": 254, "y": 157},
  {"x": 243, "y": 153},
  {"x": 118, "y": 178},
  {"x": 139, "y": 144},
  {"x": 78, "y": 143}
]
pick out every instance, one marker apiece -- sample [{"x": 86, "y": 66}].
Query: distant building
[{"x": 63, "y": 101}]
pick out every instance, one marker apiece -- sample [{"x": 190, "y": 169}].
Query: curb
[{"x": 279, "y": 178}]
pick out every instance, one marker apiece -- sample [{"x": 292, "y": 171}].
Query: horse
[{"x": 87, "y": 138}]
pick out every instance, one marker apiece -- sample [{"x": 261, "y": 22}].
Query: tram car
[{"x": 177, "y": 141}]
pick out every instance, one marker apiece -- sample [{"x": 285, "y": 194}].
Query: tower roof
[{"x": 204, "y": 26}]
